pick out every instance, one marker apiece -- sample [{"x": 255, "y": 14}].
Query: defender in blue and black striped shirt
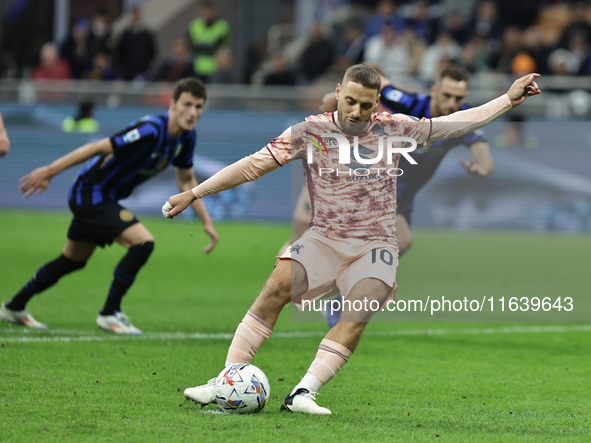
[
  {"x": 117, "y": 165},
  {"x": 448, "y": 95}
]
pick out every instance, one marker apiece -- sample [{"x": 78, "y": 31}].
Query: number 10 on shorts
[{"x": 384, "y": 255}]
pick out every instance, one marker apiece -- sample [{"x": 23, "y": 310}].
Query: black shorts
[{"x": 100, "y": 224}]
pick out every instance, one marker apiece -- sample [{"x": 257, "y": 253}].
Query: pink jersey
[{"x": 354, "y": 199}]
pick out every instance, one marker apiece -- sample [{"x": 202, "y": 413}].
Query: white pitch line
[{"x": 77, "y": 336}]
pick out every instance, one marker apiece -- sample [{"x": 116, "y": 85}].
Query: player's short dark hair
[
  {"x": 192, "y": 85},
  {"x": 365, "y": 75},
  {"x": 454, "y": 73}
]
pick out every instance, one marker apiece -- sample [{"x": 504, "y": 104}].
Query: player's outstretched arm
[
  {"x": 463, "y": 122},
  {"x": 38, "y": 180},
  {"x": 186, "y": 180},
  {"x": 4, "y": 140},
  {"x": 245, "y": 170}
]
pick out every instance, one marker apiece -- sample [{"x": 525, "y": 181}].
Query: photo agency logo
[{"x": 371, "y": 158}]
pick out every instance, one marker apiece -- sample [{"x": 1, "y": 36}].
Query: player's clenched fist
[{"x": 177, "y": 204}]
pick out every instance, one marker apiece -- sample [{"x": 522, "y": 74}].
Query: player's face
[
  {"x": 448, "y": 95},
  {"x": 355, "y": 103},
  {"x": 186, "y": 110}
]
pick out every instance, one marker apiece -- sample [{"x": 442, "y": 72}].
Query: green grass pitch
[{"x": 406, "y": 382}]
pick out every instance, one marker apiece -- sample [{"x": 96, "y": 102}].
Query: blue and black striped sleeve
[
  {"x": 398, "y": 101},
  {"x": 141, "y": 135}
]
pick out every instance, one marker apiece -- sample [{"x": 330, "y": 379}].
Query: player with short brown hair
[{"x": 351, "y": 243}]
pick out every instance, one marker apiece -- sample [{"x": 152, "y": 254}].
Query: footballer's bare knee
[
  {"x": 277, "y": 290},
  {"x": 136, "y": 234}
]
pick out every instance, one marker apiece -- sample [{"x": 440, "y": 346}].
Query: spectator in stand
[
  {"x": 350, "y": 49},
  {"x": 522, "y": 13},
  {"x": 444, "y": 48},
  {"x": 511, "y": 45},
  {"x": 523, "y": 62},
  {"x": 571, "y": 61},
  {"x": 579, "y": 24},
  {"x": 280, "y": 74},
  {"x": 75, "y": 50},
  {"x": 100, "y": 38},
  {"x": 8, "y": 67},
  {"x": 562, "y": 62},
  {"x": 102, "y": 67},
  {"x": 208, "y": 34},
  {"x": 317, "y": 56},
  {"x": 178, "y": 65},
  {"x": 476, "y": 54},
  {"x": 385, "y": 14},
  {"x": 578, "y": 45},
  {"x": 486, "y": 23},
  {"x": 51, "y": 66},
  {"x": 423, "y": 26},
  {"x": 453, "y": 24},
  {"x": 136, "y": 48},
  {"x": 390, "y": 49},
  {"x": 225, "y": 63},
  {"x": 534, "y": 47}
]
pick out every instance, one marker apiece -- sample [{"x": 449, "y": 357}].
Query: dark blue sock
[
  {"x": 125, "y": 274},
  {"x": 45, "y": 277}
]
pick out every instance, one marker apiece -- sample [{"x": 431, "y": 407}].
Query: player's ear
[
  {"x": 378, "y": 100},
  {"x": 171, "y": 103},
  {"x": 337, "y": 91},
  {"x": 433, "y": 89}
]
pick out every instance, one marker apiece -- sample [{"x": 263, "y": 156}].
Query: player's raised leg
[
  {"x": 74, "y": 256},
  {"x": 257, "y": 325},
  {"x": 336, "y": 348},
  {"x": 140, "y": 244}
]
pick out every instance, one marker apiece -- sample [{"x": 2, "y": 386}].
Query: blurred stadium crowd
[{"x": 313, "y": 41}]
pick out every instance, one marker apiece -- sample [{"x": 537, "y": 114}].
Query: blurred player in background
[
  {"x": 354, "y": 223},
  {"x": 83, "y": 121},
  {"x": 4, "y": 141},
  {"x": 448, "y": 95},
  {"x": 117, "y": 165}
]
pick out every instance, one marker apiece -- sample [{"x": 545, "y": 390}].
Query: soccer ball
[{"x": 242, "y": 389}]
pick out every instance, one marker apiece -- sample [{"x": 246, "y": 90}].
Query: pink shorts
[{"x": 336, "y": 265}]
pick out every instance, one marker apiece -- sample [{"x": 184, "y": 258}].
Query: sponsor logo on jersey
[
  {"x": 394, "y": 95},
  {"x": 131, "y": 136},
  {"x": 317, "y": 141}
]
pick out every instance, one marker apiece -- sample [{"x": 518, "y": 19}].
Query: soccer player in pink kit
[{"x": 351, "y": 243}]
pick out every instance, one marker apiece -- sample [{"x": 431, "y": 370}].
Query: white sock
[{"x": 309, "y": 382}]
